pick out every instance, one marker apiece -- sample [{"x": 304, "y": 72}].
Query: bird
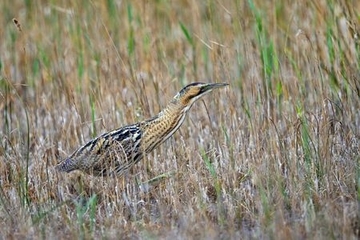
[{"x": 114, "y": 153}]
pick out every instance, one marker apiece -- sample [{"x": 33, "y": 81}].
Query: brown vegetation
[{"x": 275, "y": 155}]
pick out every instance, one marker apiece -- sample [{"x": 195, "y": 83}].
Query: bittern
[{"x": 114, "y": 152}]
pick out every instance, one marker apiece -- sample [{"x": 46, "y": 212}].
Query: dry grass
[{"x": 275, "y": 155}]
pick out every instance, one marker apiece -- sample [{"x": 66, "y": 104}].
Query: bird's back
[{"x": 111, "y": 153}]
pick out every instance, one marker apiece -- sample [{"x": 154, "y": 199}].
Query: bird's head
[{"x": 192, "y": 92}]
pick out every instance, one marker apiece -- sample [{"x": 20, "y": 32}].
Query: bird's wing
[{"x": 116, "y": 151}]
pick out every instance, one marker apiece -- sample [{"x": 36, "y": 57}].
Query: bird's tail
[{"x": 66, "y": 166}]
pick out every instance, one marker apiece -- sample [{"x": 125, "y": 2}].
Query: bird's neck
[
  {"x": 165, "y": 124},
  {"x": 172, "y": 110}
]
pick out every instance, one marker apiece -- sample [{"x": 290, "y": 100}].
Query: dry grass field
[{"x": 275, "y": 155}]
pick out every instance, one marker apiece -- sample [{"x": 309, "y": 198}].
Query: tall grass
[{"x": 275, "y": 155}]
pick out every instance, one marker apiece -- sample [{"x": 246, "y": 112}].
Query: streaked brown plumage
[{"x": 116, "y": 151}]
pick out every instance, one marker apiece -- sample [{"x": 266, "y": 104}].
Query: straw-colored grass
[{"x": 273, "y": 156}]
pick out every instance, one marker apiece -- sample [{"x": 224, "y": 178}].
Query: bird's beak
[{"x": 211, "y": 86}]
